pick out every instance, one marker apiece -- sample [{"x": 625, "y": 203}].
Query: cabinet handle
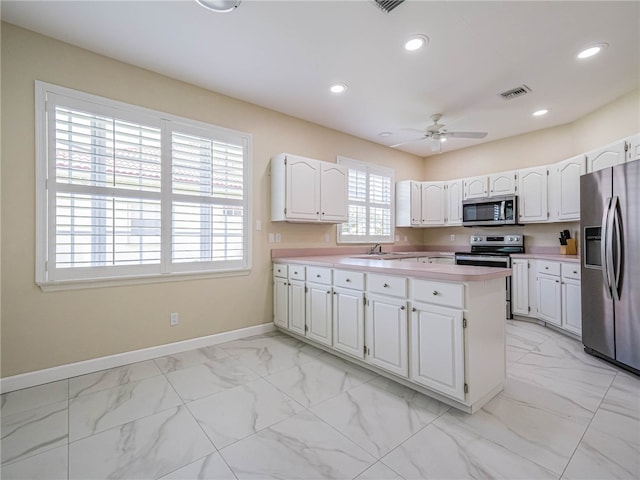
[
  {"x": 318, "y": 275},
  {"x": 386, "y": 285},
  {"x": 348, "y": 280},
  {"x": 435, "y": 292},
  {"x": 329, "y": 292},
  {"x": 414, "y": 309},
  {"x": 575, "y": 273},
  {"x": 295, "y": 273},
  {"x": 334, "y": 293},
  {"x": 402, "y": 307},
  {"x": 317, "y": 213},
  {"x": 557, "y": 281},
  {"x": 546, "y": 268}
]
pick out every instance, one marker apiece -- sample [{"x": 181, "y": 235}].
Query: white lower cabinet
[
  {"x": 297, "y": 306},
  {"x": 319, "y": 314},
  {"x": 281, "y": 302},
  {"x": 571, "y": 297},
  {"x": 437, "y": 348},
  {"x": 520, "y": 287},
  {"x": 460, "y": 361},
  {"x": 386, "y": 333},
  {"x": 348, "y": 321}
]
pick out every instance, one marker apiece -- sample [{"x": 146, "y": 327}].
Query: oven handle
[{"x": 476, "y": 258}]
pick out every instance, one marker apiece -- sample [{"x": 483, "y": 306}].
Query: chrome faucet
[{"x": 372, "y": 250}]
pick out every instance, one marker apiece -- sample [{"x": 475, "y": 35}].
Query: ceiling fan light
[
  {"x": 220, "y": 6},
  {"x": 338, "y": 88}
]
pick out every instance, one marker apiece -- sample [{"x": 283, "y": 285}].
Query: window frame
[
  {"x": 47, "y": 97},
  {"x": 369, "y": 169}
]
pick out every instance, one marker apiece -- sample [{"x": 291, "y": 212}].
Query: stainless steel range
[{"x": 493, "y": 251}]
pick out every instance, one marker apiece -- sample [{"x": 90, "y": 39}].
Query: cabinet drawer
[
  {"x": 344, "y": 278},
  {"x": 549, "y": 268},
  {"x": 319, "y": 275},
  {"x": 571, "y": 270},
  {"x": 387, "y": 285},
  {"x": 439, "y": 293},
  {"x": 296, "y": 272},
  {"x": 280, "y": 270}
]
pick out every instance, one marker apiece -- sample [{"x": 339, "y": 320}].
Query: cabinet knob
[
  {"x": 575, "y": 273},
  {"x": 402, "y": 307},
  {"x": 435, "y": 292},
  {"x": 414, "y": 309},
  {"x": 317, "y": 213},
  {"x": 386, "y": 285},
  {"x": 557, "y": 281},
  {"x": 318, "y": 275},
  {"x": 348, "y": 280},
  {"x": 334, "y": 293},
  {"x": 329, "y": 292},
  {"x": 295, "y": 273}
]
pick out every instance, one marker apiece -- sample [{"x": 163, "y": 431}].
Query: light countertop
[
  {"x": 435, "y": 271},
  {"x": 545, "y": 256}
]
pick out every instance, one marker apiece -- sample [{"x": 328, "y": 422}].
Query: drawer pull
[
  {"x": 386, "y": 285},
  {"x": 318, "y": 275},
  {"x": 348, "y": 280},
  {"x": 546, "y": 268},
  {"x": 435, "y": 292},
  {"x": 295, "y": 273},
  {"x": 575, "y": 273}
]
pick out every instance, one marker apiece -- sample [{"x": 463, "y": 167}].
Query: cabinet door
[
  {"x": 476, "y": 187},
  {"x": 549, "y": 300},
  {"x": 633, "y": 148},
  {"x": 319, "y": 325},
  {"x": 416, "y": 203},
  {"x": 281, "y": 302},
  {"x": 437, "y": 349},
  {"x": 520, "y": 287},
  {"x": 502, "y": 183},
  {"x": 605, "y": 157},
  {"x": 571, "y": 306},
  {"x": 454, "y": 203},
  {"x": 532, "y": 195},
  {"x": 386, "y": 333},
  {"x": 433, "y": 203},
  {"x": 303, "y": 188},
  {"x": 565, "y": 178},
  {"x": 297, "y": 310},
  {"x": 333, "y": 192},
  {"x": 348, "y": 321}
]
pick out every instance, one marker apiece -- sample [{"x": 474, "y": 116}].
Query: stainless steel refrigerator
[{"x": 610, "y": 227}]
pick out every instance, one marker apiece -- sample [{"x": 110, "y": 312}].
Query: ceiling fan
[{"x": 437, "y": 133}]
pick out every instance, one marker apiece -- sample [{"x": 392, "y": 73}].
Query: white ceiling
[{"x": 284, "y": 56}]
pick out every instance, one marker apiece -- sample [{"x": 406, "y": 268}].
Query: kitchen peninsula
[{"x": 436, "y": 328}]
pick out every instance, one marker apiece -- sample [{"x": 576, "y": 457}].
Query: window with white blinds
[
  {"x": 371, "y": 203},
  {"x": 126, "y": 192}
]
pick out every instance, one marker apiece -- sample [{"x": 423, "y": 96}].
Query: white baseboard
[{"x": 39, "y": 377}]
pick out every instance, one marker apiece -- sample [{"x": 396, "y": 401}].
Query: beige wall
[
  {"x": 41, "y": 330},
  {"x": 619, "y": 119}
]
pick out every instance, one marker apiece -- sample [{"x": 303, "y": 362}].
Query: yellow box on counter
[{"x": 569, "y": 248}]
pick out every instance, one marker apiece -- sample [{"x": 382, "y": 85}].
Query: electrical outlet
[
  {"x": 258, "y": 225},
  {"x": 278, "y": 237},
  {"x": 272, "y": 238},
  {"x": 397, "y": 238},
  {"x": 452, "y": 237},
  {"x": 174, "y": 320}
]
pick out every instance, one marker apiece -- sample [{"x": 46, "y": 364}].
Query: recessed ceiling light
[
  {"x": 338, "y": 88},
  {"x": 592, "y": 50},
  {"x": 384, "y": 134},
  {"x": 416, "y": 42},
  {"x": 220, "y": 6},
  {"x": 539, "y": 113}
]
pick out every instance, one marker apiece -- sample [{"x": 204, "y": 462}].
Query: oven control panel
[{"x": 513, "y": 239}]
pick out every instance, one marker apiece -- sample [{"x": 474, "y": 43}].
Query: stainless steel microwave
[{"x": 490, "y": 211}]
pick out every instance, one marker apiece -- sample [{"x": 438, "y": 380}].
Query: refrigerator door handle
[
  {"x": 605, "y": 247},
  {"x": 617, "y": 268}
]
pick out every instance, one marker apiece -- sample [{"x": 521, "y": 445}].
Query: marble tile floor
[{"x": 273, "y": 407}]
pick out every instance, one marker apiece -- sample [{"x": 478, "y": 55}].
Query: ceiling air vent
[
  {"x": 387, "y": 5},
  {"x": 515, "y": 92}
]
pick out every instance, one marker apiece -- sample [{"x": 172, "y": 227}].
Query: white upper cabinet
[
  {"x": 433, "y": 203},
  {"x": 333, "y": 192},
  {"x": 532, "y": 198},
  {"x": 609, "y": 156},
  {"x": 408, "y": 203},
  {"x": 503, "y": 183},
  {"x": 455, "y": 194},
  {"x": 633, "y": 150},
  {"x": 476, "y": 187},
  {"x": 564, "y": 181},
  {"x": 307, "y": 190}
]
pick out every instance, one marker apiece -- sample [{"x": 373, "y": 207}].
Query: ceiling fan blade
[
  {"x": 408, "y": 141},
  {"x": 465, "y": 134}
]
